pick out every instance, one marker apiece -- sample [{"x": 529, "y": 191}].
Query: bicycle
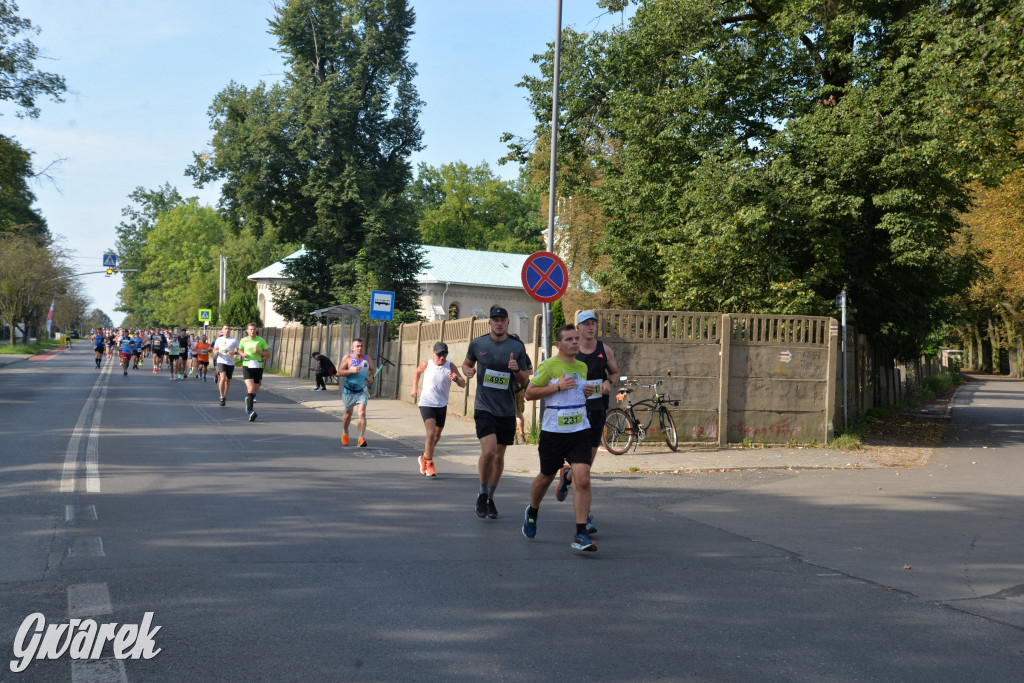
[{"x": 622, "y": 428}]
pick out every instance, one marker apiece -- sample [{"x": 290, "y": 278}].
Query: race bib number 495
[{"x": 497, "y": 380}]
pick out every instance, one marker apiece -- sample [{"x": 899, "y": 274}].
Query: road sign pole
[{"x": 546, "y": 328}]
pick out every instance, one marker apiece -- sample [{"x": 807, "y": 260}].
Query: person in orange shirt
[{"x": 202, "y": 349}]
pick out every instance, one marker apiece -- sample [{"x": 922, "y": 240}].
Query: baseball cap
[
  {"x": 583, "y": 316},
  {"x": 441, "y": 349},
  {"x": 498, "y": 312}
]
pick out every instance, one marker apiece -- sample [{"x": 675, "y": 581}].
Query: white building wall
[
  {"x": 475, "y": 300},
  {"x": 265, "y": 301}
]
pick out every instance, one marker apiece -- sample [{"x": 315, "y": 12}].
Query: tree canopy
[
  {"x": 322, "y": 157},
  {"x": 764, "y": 156},
  {"x": 468, "y": 207},
  {"x": 20, "y": 81}
]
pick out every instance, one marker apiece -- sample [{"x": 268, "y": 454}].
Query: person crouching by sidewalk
[{"x": 324, "y": 368}]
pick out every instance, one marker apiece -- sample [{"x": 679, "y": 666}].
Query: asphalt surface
[{"x": 267, "y": 551}]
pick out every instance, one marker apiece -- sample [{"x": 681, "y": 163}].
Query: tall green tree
[
  {"x": 20, "y": 81},
  {"x": 469, "y": 207},
  {"x": 180, "y": 276},
  {"x": 775, "y": 153},
  {"x": 323, "y": 155},
  {"x": 140, "y": 219},
  {"x": 16, "y": 197}
]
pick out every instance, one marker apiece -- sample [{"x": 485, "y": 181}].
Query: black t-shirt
[{"x": 597, "y": 368}]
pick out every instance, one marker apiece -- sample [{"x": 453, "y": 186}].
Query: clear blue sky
[{"x": 141, "y": 75}]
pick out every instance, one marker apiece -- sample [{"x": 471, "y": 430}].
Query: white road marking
[
  {"x": 69, "y": 474},
  {"x": 86, "y": 546},
  {"x": 88, "y": 600},
  {"x": 107, "y": 670},
  {"x": 76, "y": 512},
  {"x": 92, "y": 450}
]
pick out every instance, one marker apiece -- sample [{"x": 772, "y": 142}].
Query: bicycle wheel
[
  {"x": 618, "y": 431},
  {"x": 668, "y": 428}
]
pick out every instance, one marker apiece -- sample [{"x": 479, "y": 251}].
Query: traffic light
[{"x": 110, "y": 271}]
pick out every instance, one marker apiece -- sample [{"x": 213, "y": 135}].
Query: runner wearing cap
[
  {"x": 602, "y": 369},
  {"x": 433, "y": 402},
  {"x": 501, "y": 359}
]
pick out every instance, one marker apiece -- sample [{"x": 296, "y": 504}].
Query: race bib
[
  {"x": 568, "y": 417},
  {"x": 497, "y": 380},
  {"x": 252, "y": 364},
  {"x": 596, "y": 383}
]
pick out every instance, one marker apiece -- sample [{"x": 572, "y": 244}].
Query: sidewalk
[{"x": 400, "y": 421}]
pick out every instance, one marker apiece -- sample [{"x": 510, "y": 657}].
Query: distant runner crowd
[{"x": 574, "y": 384}]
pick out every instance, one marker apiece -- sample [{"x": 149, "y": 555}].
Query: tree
[
  {"x": 32, "y": 276},
  {"x": 470, "y": 208},
  {"x": 16, "y": 198},
  {"x": 180, "y": 257},
  {"x": 98, "y": 319},
  {"x": 323, "y": 156},
  {"x": 20, "y": 81},
  {"x": 775, "y": 153},
  {"x": 132, "y": 233}
]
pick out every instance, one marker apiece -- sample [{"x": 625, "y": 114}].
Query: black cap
[
  {"x": 441, "y": 349},
  {"x": 498, "y": 312}
]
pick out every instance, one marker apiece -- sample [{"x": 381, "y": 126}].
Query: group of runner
[{"x": 574, "y": 385}]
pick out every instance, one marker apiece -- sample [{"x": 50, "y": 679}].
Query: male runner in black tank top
[{"x": 601, "y": 366}]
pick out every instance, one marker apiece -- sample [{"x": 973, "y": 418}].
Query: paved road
[{"x": 268, "y": 552}]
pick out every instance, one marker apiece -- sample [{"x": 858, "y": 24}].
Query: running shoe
[
  {"x": 591, "y": 529},
  {"x": 344, "y": 439},
  {"x": 423, "y": 466},
  {"x": 361, "y": 443},
  {"x": 252, "y": 416},
  {"x": 431, "y": 472},
  {"x": 126, "y": 372},
  {"x": 563, "y": 483},
  {"x": 529, "y": 524},
  {"x": 154, "y": 369},
  {"x": 223, "y": 401},
  {"x": 204, "y": 378},
  {"x": 583, "y": 542},
  {"x": 481, "y": 505},
  {"x": 492, "y": 512}
]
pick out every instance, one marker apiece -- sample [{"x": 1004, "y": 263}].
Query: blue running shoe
[
  {"x": 583, "y": 542},
  {"x": 591, "y": 529},
  {"x": 529, "y": 524},
  {"x": 563, "y": 483}
]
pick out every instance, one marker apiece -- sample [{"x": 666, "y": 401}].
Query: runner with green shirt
[
  {"x": 565, "y": 433},
  {"x": 253, "y": 351}
]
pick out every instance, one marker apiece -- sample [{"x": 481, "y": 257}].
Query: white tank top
[{"x": 436, "y": 384}]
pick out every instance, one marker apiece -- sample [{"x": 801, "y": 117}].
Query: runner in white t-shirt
[{"x": 225, "y": 347}]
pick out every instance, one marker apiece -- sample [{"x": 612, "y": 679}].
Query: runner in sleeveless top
[
  {"x": 602, "y": 370},
  {"x": 438, "y": 374},
  {"x": 494, "y": 409},
  {"x": 357, "y": 370},
  {"x": 564, "y": 433}
]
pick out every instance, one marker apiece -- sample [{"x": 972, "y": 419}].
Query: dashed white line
[{"x": 88, "y": 600}]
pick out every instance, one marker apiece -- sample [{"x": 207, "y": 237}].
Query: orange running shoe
[
  {"x": 344, "y": 439},
  {"x": 431, "y": 472},
  {"x": 361, "y": 443}
]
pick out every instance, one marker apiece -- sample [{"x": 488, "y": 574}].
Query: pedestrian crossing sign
[
  {"x": 110, "y": 260},
  {"x": 205, "y": 315}
]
